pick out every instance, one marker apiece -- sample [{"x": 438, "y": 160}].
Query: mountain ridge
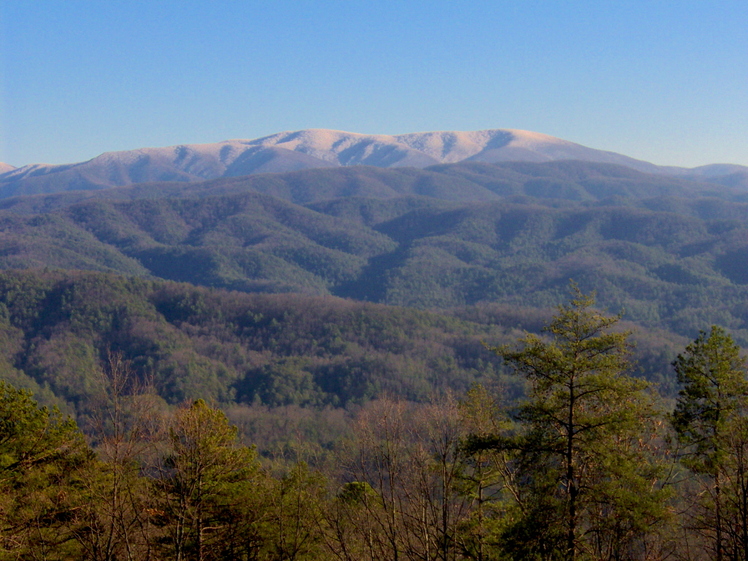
[
  {"x": 563, "y": 181},
  {"x": 319, "y": 148},
  {"x": 669, "y": 262}
]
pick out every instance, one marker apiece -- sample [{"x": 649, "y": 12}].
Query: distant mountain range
[
  {"x": 321, "y": 148},
  {"x": 483, "y": 229},
  {"x": 563, "y": 181},
  {"x": 671, "y": 252},
  {"x": 429, "y": 220}
]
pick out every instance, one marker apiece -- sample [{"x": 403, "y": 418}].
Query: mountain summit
[
  {"x": 311, "y": 148},
  {"x": 428, "y": 148}
]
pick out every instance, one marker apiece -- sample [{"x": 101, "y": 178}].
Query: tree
[
  {"x": 585, "y": 473},
  {"x": 711, "y": 423},
  {"x": 485, "y": 474},
  {"x": 42, "y": 455},
  {"x": 116, "y": 523},
  {"x": 406, "y": 493},
  {"x": 205, "y": 485},
  {"x": 296, "y": 508}
]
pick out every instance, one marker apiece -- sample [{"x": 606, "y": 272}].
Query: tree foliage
[
  {"x": 559, "y": 455},
  {"x": 711, "y": 423},
  {"x": 42, "y": 459},
  {"x": 202, "y": 480},
  {"x": 585, "y": 488},
  {"x": 670, "y": 251}
]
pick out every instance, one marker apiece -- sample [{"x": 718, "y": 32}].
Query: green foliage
[
  {"x": 190, "y": 342},
  {"x": 297, "y": 500},
  {"x": 202, "y": 480},
  {"x": 571, "y": 470},
  {"x": 713, "y": 396},
  {"x": 711, "y": 424},
  {"x": 58, "y": 328},
  {"x": 668, "y": 251},
  {"x": 584, "y": 471},
  {"x": 42, "y": 456}
]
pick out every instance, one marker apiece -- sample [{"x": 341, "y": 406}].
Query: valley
[{"x": 292, "y": 326}]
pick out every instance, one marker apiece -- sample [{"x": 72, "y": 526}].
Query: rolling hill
[
  {"x": 441, "y": 256},
  {"x": 560, "y": 182},
  {"x": 256, "y": 350},
  {"x": 669, "y": 251}
]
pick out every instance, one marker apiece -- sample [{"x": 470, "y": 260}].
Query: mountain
[
  {"x": 189, "y": 342},
  {"x": 4, "y": 168},
  {"x": 316, "y": 148},
  {"x": 493, "y": 245},
  {"x": 671, "y": 261},
  {"x": 424, "y": 149},
  {"x": 557, "y": 182},
  {"x": 728, "y": 175}
]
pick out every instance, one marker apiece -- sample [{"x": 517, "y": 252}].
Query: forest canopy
[{"x": 587, "y": 463}]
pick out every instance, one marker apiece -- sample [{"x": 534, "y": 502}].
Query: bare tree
[
  {"x": 404, "y": 496},
  {"x": 117, "y": 517}
]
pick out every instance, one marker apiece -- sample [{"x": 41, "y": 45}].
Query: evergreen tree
[
  {"x": 296, "y": 509},
  {"x": 584, "y": 485},
  {"x": 711, "y": 423},
  {"x": 207, "y": 483},
  {"x": 42, "y": 456},
  {"x": 485, "y": 473}
]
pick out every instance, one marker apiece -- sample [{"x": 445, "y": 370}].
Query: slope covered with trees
[
  {"x": 587, "y": 465},
  {"x": 226, "y": 347},
  {"x": 567, "y": 455},
  {"x": 242, "y": 350},
  {"x": 567, "y": 180},
  {"x": 670, "y": 263}
]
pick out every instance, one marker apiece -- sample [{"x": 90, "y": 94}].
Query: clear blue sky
[{"x": 664, "y": 81}]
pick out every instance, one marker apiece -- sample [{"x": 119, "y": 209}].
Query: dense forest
[
  {"x": 257, "y": 350},
  {"x": 588, "y": 462},
  {"x": 668, "y": 252},
  {"x": 363, "y": 363}
]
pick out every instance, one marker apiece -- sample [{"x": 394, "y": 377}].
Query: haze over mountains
[{"x": 321, "y": 148}]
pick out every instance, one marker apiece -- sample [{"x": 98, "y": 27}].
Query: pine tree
[
  {"x": 711, "y": 423},
  {"x": 42, "y": 457},
  {"x": 581, "y": 445},
  {"x": 206, "y": 484}
]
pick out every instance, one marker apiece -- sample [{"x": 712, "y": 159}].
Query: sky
[{"x": 659, "y": 80}]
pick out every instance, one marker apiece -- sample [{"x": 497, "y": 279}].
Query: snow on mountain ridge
[
  {"x": 307, "y": 149},
  {"x": 451, "y": 147},
  {"x": 440, "y": 146},
  {"x": 328, "y": 145},
  {"x": 336, "y": 147}
]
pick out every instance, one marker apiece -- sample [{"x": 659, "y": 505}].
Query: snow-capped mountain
[{"x": 315, "y": 148}]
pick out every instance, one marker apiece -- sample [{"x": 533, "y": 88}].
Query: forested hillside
[
  {"x": 242, "y": 350},
  {"x": 667, "y": 253},
  {"x": 553, "y": 182},
  {"x": 226, "y": 347},
  {"x": 588, "y": 463},
  {"x": 674, "y": 263},
  {"x": 326, "y": 316}
]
